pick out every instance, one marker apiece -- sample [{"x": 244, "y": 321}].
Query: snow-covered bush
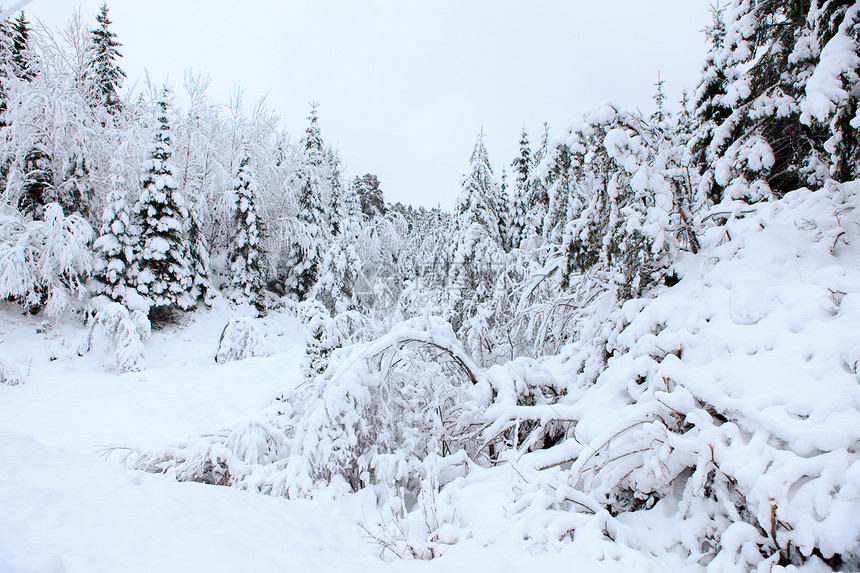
[
  {"x": 124, "y": 331},
  {"x": 381, "y": 413},
  {"x": 240, "y": 339},
  {"x": 379, "y": 409},
  {"x": 43, "y": 263},
  {"x": 10, "y": 374},
  {"x": 325, "y": 333},
  {"x": 424, "y": 532},
  {"x": 724, "y": 404}
]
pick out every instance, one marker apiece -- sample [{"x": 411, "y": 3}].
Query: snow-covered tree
[
  {"x": 246, "y": 258},
  {"x": 370, "y": 195},
  {"x": 116, "y": 247},
  {"x": 163, "y": 274},
  {"x": 480, "y": 199},
  {"x": 198, "y": 253},
  {"x": 43, "y": 263},
  {"x": 24, "y": 64},
  {"x": 831, "y": 97},
  {"x": 312, "y": 188},
  {"x": 762, "y": 148},
  {"x": 621, "y": 204},
  {"x": 520, "y": 225},
  {"x": 103, "y": 76}
]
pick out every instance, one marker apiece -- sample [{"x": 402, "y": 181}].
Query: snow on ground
[{"x": 65, "y": 507}]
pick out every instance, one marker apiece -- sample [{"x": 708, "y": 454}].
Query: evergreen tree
[
  {"x": 558, "y": 182},
  {"x": 163, "y": 274},
  {"x": 103, "y": 76},
  {"x": 115, "y": 247},
  {"x": 38, "y": 180},
  {"x": 480, "y": 198},
  {"x": 22, "y": 58},
  {"x": 659, "y": 115},
  {"x": 198, "y": 254},
  {"x": 619, "y": 215},
  {"x": 831, "y": 100},
  {"x": 335, "y": 209},
  {"x": 762, "y": 148},
  {"x": 539, "y": 194},
  {"x": 313, "y": 192},
  {"x": 521, "y": 226},
  {"x": 710, "y": 108},
  {"x": 247, "y": 256},
  {"x": 370, "y": 195}
]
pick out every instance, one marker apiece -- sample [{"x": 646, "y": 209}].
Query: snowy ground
[{"x": 64, "y": 506}]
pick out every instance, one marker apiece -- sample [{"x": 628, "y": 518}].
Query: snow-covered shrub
[
  {"x": 43, "y": 263},
  {"x": 724, "y": 404},
  {"x": 380, "y": 409},
  {"x": 381, "y": 413},
  {"x": 10, "y": 374},
  {"x": 325, "y": 333},
  {"x": 240, "y": 339},
  {"x": 125, "y": 331},
  {"x": 424, "y": 532}
]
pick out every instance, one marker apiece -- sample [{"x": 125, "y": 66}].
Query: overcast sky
[{"x": 405, "y": 87}]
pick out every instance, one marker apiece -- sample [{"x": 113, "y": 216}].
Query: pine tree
[
  {"x": 831, "y": 100},
  {"x": 163, "y": 274},
  {"x": 103, "y": 76},
  {"x": 480, "y": 198},
  {"x": 710, "y": 108},
  {"x": 313, "y": 195},
  {"x": 198, "y": 255},
  {"x": 115, "y": 247},
  {"x": 520, "y": 225},
  {"x": 23, "y": 60},
  {"x": 247, "y": 255},
  {"x": 370, "y": 195},
  {"x": 659, "y": 115}
]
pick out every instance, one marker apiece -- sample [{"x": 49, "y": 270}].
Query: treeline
[{"x": 154, "y": 207}]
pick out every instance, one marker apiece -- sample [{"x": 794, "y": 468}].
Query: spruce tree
[
  {"x": 312, "y": 189},
  {"x": 762, "y": 148},
  {"x": 22, "y": 58},
  {"x": 246, "y": 255},
  {"x": 520, "y": 225},
  {"x": 103, "y": 76},
  {"x": 710, "y": 107},
  {"x": 480, "y": 198},
  {"x": 370, "y": 195},
  {"x": 831, "y": 101},
  {"x": 198, "y": 254},
  {"x": 659, "y": 115},
  {"x": 539, "y": 194},
  {"x": 163, "y": 274},
  {"x": 115, "y": 247}
]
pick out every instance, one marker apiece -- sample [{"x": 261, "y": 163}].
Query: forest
[{"x": 641, "y": 334}]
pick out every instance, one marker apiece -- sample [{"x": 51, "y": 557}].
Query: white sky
[{"x": 404, "y": 87}]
